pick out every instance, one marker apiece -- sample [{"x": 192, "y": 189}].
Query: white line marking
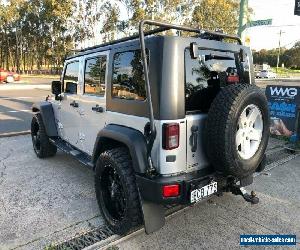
[
  {"x": 18, "y": 87},
  {"x": 19, "y": 97},
  {"x": 10, "y": 134},
  {"x": 16, "y": 111}
]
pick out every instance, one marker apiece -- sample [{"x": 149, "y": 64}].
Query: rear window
[{"x": 205, "y": 75}]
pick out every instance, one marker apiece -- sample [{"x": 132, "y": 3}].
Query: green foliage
[
  {"x": 265, "y": 56},
  {"x": 289, "y": 57},
  {"x": 34, "y": 32},
  {"x": 38, "y": 34},
  {"x": 173, "y": 11},
  {"x": 217, "y": 14},
  {"x": 110, "y": 25}
]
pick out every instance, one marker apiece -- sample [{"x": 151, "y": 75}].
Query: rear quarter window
[{"x": 128, "y": 76}]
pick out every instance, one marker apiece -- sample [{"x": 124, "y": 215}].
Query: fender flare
[
  {"x": 132, "y": 138},
  {"x": 46, "y": 110}
]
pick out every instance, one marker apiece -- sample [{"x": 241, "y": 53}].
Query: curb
[
  {"x": 116, "y": 239},
  {"x": 11, "y": 134}
]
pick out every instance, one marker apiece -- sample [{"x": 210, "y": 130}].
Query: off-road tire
[
  {"x": 119, "y": 159},
  {"x": 221, "y": 127},
  {"x": 46, "y": 148}
]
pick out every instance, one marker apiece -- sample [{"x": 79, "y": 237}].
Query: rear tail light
[
  {"x": 171, "y": 136},
  {"x": 233, "y": 79},
  {"x": 171, "y": 190}
]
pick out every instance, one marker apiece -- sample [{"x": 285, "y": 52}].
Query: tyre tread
[
  {"x": 121, "y": 158},
  {"x": 220, "y": 115}
]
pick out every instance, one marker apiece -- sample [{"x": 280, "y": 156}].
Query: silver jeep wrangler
[{"x": 160, "y": 119}]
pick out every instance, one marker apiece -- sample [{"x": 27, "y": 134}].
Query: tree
[
  {"x": 173, "y": 11},
  {"x": 85, "y": 18},
  {"x": 8, "y": 20},
  {"x": 37, "y": 34},
  {"x": 111, "y": 20},
  {"x": 291, "y": 57},
  {"x": 217, "y": 14},
  {"x": 33, "y": 31}
]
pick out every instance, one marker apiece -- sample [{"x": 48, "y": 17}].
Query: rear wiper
[{"x": 211, "y": 57}]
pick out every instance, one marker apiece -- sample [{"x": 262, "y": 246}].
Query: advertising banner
[{"x": 284, "y": 103}]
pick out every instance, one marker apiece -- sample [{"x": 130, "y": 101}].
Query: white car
[{"x": 266, "y": 74}]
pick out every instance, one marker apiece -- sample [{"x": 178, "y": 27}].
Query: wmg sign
[
  {"x": 284, "y": 104},
  {"x": 285, "y": 92}
]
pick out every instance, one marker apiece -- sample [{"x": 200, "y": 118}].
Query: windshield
[{"x": 205, "y": 75}]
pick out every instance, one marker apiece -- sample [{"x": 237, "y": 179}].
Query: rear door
[{"x": 204, "y": 77}]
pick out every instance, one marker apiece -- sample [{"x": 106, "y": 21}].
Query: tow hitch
[{"x": 237, "y": 190}]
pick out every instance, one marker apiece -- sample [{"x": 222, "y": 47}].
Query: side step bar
[{"x": 82, "y": 157}]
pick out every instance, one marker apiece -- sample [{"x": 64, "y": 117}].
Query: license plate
[{"x": 201, "y": 193}]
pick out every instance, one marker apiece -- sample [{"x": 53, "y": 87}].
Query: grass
[{"x": 286, "y": 71}]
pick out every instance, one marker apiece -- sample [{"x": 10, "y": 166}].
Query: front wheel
[
  {"x": 116, "y": 190},
  {"x": 41, "y": 145}
]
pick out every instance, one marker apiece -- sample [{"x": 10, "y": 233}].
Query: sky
[{"x": 282, "y": 13}]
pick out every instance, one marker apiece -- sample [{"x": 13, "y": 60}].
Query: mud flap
[{"x": 153, "y": 214}]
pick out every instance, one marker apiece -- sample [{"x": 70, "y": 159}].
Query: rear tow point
[{"x": 252, "y": 198}]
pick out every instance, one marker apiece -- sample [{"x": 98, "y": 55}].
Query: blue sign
[
  {"x": 267, "y": 240},
  {"x": 284, "y": 104}
]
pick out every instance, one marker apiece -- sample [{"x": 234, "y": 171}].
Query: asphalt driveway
[
  {"x": 42, "y": 201},
  {"x": 218, "y": 223},
  {"x": 52, "y": 200}
]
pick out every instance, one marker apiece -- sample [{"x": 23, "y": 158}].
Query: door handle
[
  {"x": 194, "y": 139},
  {"x": 74, "y": 104},
  {"x": 98, "y": 109}
]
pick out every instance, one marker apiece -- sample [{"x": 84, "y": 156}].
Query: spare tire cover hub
[{"x": 249, "y": 131}]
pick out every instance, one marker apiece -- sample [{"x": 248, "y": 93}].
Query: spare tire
[{"x": 237, "y": 130}]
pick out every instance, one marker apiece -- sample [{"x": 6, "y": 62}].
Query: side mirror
[
  {"x": 194, "y": 50},
  {"x": 56, "y": 88}
]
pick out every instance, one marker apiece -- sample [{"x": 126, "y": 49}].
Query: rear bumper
[{"x": 151, "y": 188}]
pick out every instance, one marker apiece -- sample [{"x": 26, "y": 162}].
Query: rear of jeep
[
  {"x": 193, "y": 126},
  {"x": 212, "y": 130}
]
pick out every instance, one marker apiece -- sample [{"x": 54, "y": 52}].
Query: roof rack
[
  {"x": 124, "y": 39},
  {"x": 162, "y": 27}
]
